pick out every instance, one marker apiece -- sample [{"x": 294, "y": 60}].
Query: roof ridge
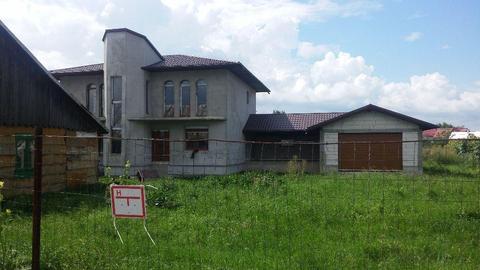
[
  {"x": 76, "y": 66},
  {"x": 201, "y": 57},
  {"x": 304, "y": 113}
]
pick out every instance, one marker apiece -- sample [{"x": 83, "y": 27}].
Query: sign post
[{"x": 128, "y": 201}]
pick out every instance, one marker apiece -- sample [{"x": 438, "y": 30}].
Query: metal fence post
[{"x": 37, "y": 198}]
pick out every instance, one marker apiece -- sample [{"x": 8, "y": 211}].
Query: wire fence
[{"x": 243, "y": 205}]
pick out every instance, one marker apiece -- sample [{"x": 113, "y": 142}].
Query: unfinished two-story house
[
  {"x": 179, "y": 101},
  {"x": 185, "y": 115}
]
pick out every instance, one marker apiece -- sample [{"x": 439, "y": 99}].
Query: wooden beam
[{"x": 37, "y": 198}]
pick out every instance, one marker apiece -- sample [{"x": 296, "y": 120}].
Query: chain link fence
[{"x": 245, "y": 205}]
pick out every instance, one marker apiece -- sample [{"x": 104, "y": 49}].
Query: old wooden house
[{"x": 31, "y": 98}]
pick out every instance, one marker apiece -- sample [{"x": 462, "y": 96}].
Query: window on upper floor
[
  {"x": 92, "y": 98},
  {"x": 248, "y": 97},
  {"x": 101, "y": 101},
  {"x": 169, "y": 99},
  {"x": 185, "y": 98},
  {"x": 201, "y": 98}
]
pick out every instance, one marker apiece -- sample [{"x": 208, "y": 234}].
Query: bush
[{"x": 165, "y": 195}]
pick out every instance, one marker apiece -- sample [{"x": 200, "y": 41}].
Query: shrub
[{"x": 165, "y": 195}]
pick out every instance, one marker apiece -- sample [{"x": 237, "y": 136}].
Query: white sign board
[{"x": 128, "y": 201}]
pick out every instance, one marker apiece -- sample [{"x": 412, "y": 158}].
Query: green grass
[{"x": 263, "y": 221}]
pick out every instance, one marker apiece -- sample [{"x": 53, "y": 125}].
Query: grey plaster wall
[
  {"x": 77, "y": 85},
  {"x": 371, "y": 122},
  {"x": 124, "y": 55},
  {"x": 238, "y": 113}
]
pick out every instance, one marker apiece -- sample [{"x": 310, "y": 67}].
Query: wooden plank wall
[
  {"x": 67, "y": 162},
  {"x": 82, "y": 160}
]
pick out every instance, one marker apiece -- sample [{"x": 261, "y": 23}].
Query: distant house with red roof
[{"x": 436, "y": 133}]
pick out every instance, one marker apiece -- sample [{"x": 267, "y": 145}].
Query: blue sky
[
  {"x": 449, "y": 43},
  {"x": 415, "y": 57}
]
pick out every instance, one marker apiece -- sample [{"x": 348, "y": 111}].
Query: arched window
[
  {"x": 101, "y": 100},
  {"x": 185, "y": 98},
  {"x": 169, "y": 99},
  {"x": 92, "y": 98},
  {"x": 201, "y": 98}
]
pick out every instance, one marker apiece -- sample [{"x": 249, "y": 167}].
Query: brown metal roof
[
  {"x": 370, "y": 107},
  {"x": 87, "y": 69},
  {"x": 178, "y": 62},
  {"x": 286, "y": 122}
]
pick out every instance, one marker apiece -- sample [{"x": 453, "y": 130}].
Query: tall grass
[
  {"x": 445, "y": 159},
  {"x": 263, "y": 221}
]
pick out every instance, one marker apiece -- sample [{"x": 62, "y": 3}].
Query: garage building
[{"x": 370, "y": 138}]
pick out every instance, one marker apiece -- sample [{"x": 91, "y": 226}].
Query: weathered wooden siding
[
  {"x": 82, "y": 160},
  {"x": 67, "y": 162}
]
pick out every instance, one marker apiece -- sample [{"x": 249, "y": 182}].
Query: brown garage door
[{"x": 370, "y": 151}]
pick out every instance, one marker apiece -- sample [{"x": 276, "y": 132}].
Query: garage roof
[
  {"x": 370, "y": 107},
  {"x": 295, "y": 122}
]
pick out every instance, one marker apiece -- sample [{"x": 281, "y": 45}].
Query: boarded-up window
[{"x": 196, "y": 139}]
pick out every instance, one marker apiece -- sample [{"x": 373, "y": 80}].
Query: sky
[{"x": 420, "y": 58}]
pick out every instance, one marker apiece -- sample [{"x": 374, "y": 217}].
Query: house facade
[
  {"x": 185, "y": 115},
  {"x": 168, "y": 99}
]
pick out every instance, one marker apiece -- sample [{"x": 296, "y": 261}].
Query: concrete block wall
[
  {"x": 412, "y": 151},
  {"x": 329, "y": 151}
]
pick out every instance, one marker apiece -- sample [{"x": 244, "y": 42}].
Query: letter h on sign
[{"x": 128, "y": 201}]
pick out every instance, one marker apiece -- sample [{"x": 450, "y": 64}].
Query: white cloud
[
  {"x": 302, "y": 74},
  {"x": 413, "y": 36},
  {"x": 263, "y": 35},
  {"x": 309, "y": 50},
  {"x": 429, "y": 93},
  {"x": 445, "y": 47},
  {"x": 59, "y": 32},
  {"x": 53, "y": 58}
]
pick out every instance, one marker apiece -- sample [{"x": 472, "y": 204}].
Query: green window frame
[{"x": 24, "y": 146}]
